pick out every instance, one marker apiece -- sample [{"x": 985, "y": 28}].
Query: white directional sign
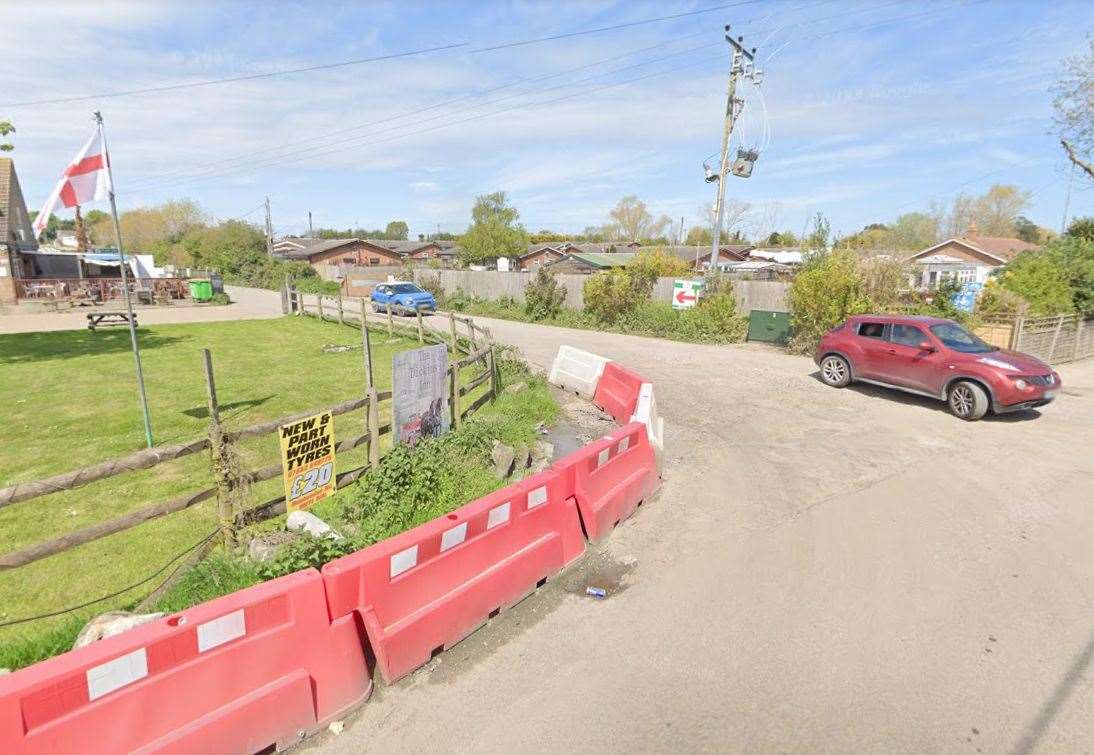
[{"x": 685, "y": 293}]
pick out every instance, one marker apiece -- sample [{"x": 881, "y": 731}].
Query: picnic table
[{"x": 107, "y": 319}]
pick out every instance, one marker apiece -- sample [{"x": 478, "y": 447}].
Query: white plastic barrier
[
  {"x": 577, "y": 370},
  {"x": 646, "y": 413}
]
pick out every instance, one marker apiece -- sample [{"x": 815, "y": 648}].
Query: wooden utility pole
[
  {"x": 269, "y": 229},
  {"x": 733, "y": 108}
]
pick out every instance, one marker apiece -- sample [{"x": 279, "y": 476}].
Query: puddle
[
  {"x": 565, "y": 437},
  {"x": 596, "y": 569}
]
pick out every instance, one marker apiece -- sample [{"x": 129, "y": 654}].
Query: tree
[
  {"x": 732, "y": 216},
  {"x": 817, "y": 240},
  {"x": 631, "y": 221},
  {"x": 396, "y": 231},
  {"x": 699, "y": 236},
  {"x": 995, "y": 213},
  {"x": 5, "y": 129},
  {"x": 494, "y": 231},
  {"x": 1030, "y": 232},
  {"x": 785, "y": 238},
  {"x": 151, "y": 229},
  {"x": 1074, "y": 104},
  {"x": 1040, "y": 279},
  {"x": 913, "y": 231},
  {"x": 1081, "y": 228}
]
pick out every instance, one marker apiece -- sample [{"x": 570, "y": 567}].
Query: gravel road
[{"x": 824, "y": 570}]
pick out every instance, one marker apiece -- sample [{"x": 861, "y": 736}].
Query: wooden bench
[{"x": 108, "y": 319}]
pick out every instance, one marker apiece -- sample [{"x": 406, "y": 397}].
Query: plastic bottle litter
[{"x": 596, "y": 592}]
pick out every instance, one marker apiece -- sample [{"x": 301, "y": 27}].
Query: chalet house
[
  {"x": 358, "y": 252},
  {"x": 553, "y": 251},
  {"x": 591, "y": 262},
  {"x": 16, "y": 233},
  {"x": 970, "y": 258},
  {"x": 699, "y": 256}
]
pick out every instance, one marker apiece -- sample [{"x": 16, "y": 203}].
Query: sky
[{"x": 865, "y": 110}]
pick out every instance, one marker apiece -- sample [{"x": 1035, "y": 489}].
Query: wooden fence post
[
  {"x": 454, "y": 382},
  {"x": 452, "y": 323},
  {"x": 1079, "y": 322},
  {"x": 421, "y": 335},
  {"x": 1055, "y": 338},
  {"x": 390, "y": 322},
  {"x": 341, "y": 319},
  {"x": 222, "y": 474},
  {"x": 1016, "y": 333},
  {"x": 374, "y": 428},
  {"x": 493, "y": 373},
  {"x": 366, "y": 346},
  {"x": 319, "y": 305}
]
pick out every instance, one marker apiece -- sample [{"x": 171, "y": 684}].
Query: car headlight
[{"x": 1020, "y": 384}]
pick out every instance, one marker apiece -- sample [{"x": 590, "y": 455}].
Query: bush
[
  {"x": 316, "y": 285},
  {"x": 996, "y": 300},
  {"x": 1042, "y": 279},
  {"x": 432, "y": 284},
  {"x": 610, "y": 293},
  {"x": 543, "y": 295},
  {"x": 825, "y": 292},
  {"x": 658, "y": 263}
]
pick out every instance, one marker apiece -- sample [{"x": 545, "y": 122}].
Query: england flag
[{"x": 85, "y": 180}]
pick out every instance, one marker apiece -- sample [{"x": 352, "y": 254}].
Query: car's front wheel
[
  {"x": 968, "y": 401},
  {"x": 835, "y": 371}
]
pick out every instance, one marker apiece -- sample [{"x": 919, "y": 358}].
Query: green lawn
[{"x": 70, "y": 400}]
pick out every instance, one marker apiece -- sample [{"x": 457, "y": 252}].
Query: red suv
[{"x": 937, "y": 358}]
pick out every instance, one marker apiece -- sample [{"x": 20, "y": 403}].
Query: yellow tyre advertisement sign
[{"x": 307, "y": 460}]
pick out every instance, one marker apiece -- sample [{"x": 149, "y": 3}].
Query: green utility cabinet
[{"x": 769, "y": 327}]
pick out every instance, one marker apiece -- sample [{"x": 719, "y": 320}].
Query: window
[
  {"x": 907, "y": 335},
  {"x": 966, "y": 275},
  {"x": 349, "y": 260},
  {"x": 932, "y": 279},
  {"x": 872, "y": 330},
  {"x": 374, "y": 260},
  {"x": 959, "y": 339}
]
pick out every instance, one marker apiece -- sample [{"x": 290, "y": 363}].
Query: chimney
[{"x": 972, "y": 230}]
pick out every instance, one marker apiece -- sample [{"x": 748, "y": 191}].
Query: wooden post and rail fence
[{"x": 230, "y": 483}]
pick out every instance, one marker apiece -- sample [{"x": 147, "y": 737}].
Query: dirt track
[{"x": 824, "y": 570}]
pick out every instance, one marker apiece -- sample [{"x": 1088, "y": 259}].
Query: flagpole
[{"x": 125, "y": 288}]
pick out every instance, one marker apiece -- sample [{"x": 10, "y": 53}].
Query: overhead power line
[
  {"x": 360, "y": 61},
  {"x": 189, "y": 176},
  {"x": 233, "y": 79}
]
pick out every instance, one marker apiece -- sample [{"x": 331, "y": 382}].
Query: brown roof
[{"x": 999, "y": 246}]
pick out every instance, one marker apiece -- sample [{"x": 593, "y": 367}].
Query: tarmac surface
[
  {"x": 823, "y": 571},
  {"x": 247, "y": 304}
]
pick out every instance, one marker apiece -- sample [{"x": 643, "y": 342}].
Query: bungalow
[
  {"x": 551, "y": 252},
  {"x": 591, "y": 262},
  {"x": 970, "y": 258},
  {"x": 699, "y": 256},
  {"x": 359, "y": 252}
]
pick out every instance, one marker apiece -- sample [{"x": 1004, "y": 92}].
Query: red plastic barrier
[
  {"x": 428, "y": 588},
  {"x": 617, "y": 392},
  {"x": 610, "y": 477},
  {"x": 259, "y": 667}
]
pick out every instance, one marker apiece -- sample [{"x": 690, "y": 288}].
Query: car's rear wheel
[
  {"x": 968, "y": 401},
  {"x": 835, "y": 371}
]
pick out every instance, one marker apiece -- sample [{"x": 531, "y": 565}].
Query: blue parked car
[{"x": 404, "y": 298}]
